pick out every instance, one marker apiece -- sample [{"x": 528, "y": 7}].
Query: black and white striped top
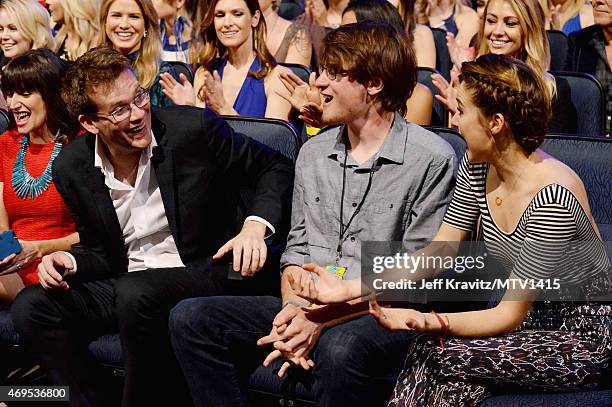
[{"x": 553, "y": 239}]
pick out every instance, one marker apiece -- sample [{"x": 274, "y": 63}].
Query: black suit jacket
[
  {"x": 581, "y": 55},
  {"x": 200, "y": 164}
]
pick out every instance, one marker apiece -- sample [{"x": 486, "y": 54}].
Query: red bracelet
[{"x": 443, "y": 327}]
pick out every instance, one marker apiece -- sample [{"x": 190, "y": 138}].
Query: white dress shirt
[{"x": 142, "y": 216}]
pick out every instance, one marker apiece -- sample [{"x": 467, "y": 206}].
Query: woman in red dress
[{"x": 29, "y": 202}]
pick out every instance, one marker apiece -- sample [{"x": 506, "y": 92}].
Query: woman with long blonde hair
[
  {"x": 79, "y": 26},
  {"x": 236, "y": 74},
  {"x": 516, "y": 28},
  {"x": 132, "y": 28},
  {"x": 24, "y": 25}
]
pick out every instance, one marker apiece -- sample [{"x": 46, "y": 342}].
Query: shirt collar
[
  {"x": 392, "y": 149},
  {"x": 101, "y": 160}
]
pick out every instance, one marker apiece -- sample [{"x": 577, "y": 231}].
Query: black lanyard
[{"x": 344, "y": 229}]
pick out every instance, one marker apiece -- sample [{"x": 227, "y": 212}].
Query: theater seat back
[
  {"x": 588, "y": 100},
  {"x": 591, "y": 159}
]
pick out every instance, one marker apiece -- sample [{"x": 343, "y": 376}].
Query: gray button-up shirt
[{"x": 411, "y": 187}]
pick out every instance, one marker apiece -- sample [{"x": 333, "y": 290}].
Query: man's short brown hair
[
  {"x": 94, "y": 70},
  {"x": 369, "y": 52}
]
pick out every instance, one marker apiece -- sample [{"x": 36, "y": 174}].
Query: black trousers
[{"x": 56, "y": 326}]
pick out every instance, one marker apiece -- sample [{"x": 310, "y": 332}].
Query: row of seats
[
  {"x": 588, "y": 156},
  {"x": 587, "y": 96}
]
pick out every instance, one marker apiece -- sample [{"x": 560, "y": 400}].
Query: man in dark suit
[
  {"x": 589, "y": 52},
  {"x": 153, "y": 196}
]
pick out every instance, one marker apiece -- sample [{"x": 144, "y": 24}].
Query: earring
[{"x": 145, "y": 34}]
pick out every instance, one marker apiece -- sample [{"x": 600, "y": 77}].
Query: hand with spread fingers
[
  {"x": 52, "y": 270},
  {"x": 304, "y": 97},
  {"x": 329, "y": 289},
  {"x": 448, "y": 91},
  {"x": 248, "y": 248},
  {"x": 179, "y": 93}
]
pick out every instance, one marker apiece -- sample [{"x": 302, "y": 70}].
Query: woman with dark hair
[
  {"x": 420, "y": 103},
  {"x": 236, "y": 73},
  {"x": 550, "y": 332},
  {"x": 29, "y": 203}
]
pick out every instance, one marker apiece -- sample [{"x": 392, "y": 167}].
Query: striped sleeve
[
  {"x": 463, "y": 211},
  {"x": 551, "y": 247}
]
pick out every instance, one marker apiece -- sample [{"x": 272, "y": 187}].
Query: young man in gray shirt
[{"x": 375, "y": 177}]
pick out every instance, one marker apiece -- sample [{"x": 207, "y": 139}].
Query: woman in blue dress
[{"x": 236, "y": 73}]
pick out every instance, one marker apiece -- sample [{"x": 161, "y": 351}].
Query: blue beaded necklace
[{"x": 24, "y": 185}]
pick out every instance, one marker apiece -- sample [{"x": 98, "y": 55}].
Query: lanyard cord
[{"x": 344, "y": 229}]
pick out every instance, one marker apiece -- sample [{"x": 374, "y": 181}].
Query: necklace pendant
[
  {"x": 498, "y": 201},
  {"x": 24, "y": 185}
]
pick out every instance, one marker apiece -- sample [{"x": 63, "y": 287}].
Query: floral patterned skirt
[{"x": 559, "y": 347}]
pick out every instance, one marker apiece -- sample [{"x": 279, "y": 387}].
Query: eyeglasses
[
  {"x": 121, "y": 113},
  {"x": 331, "y": 73}
]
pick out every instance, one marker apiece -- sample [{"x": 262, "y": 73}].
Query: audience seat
[
  {"x": 439, "y": 115},
  {"x": 182, "y": 68},
  {"x": 452, "y": 137},
  {"x": 302, "y": 71},
  {"x": 291, "y": 9},
  {"x": 276, "y": 134},
  {"x": 558, "y": 43},
  {"x": 5, "y": 120},
  {"x": 444, "y": 64},
  {"x": 588, "y": 100}
]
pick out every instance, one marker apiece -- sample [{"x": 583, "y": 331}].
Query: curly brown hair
[{"x": 502, "y": 84}]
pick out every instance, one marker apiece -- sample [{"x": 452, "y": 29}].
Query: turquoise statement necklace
[{"x": 24, "y": 185}]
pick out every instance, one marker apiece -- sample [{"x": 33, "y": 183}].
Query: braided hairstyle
[{"x": 502, "y": 84}]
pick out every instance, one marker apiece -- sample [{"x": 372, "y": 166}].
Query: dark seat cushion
[{"x": 7, "y": 330}]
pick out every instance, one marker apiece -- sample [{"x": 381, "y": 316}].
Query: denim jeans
[{"x": 214, "y": 339}]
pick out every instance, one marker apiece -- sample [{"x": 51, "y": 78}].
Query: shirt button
[
  {"x": 391, "y": 206},
  {"x": 352, "y": 238},
  {"x": 354, "y": 204},
  {"x": 317, "y": 199}
]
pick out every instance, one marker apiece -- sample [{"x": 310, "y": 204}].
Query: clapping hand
[
  {"x": 304, "y": 97},
  {"x": 179, "y": 93},
  {"x": 448, "y": 91},
  {"x": 213, "y": 93}
]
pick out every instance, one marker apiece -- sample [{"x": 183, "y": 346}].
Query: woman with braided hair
[{"x": 532, "y": 211}]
